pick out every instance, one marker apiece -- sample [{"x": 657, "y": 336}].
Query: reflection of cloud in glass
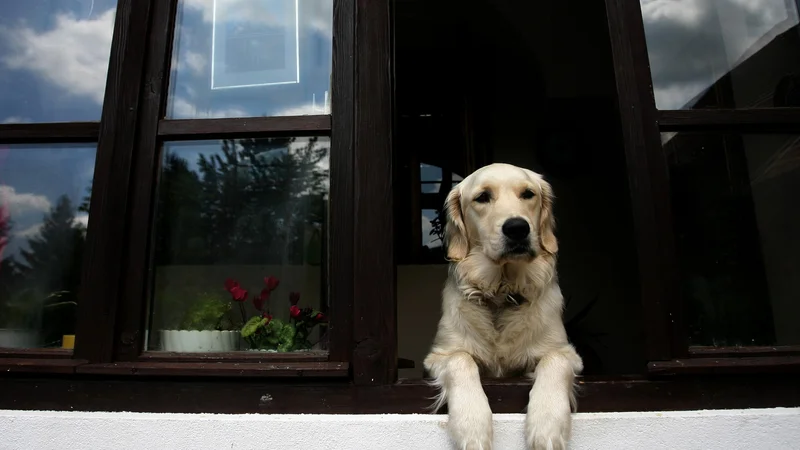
[
  {"x": 693, "y": 43},
  {"x": 22, "y": 203},
  {"x": 30, "y": 231},
  {"x": 313, "y": 107},
  {"x": 72, "y": 55},
  {"x": 256, "y": 11},
  {"x": 15, "y": 119},
  {"x": 32, "y": 179},
  {"x": 184, "y": 108},
  {"x": 193, "y": 61},
  {"x": 243, "y": 50},
  {"x": 82, "y": 219}
]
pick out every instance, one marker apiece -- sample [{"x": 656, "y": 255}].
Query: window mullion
[{"x": 102, "y": 270}]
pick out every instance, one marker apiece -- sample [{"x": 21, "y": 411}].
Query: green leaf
[
  {"x": 287, "y": 333},
  {"x": 252, "y": 326}
]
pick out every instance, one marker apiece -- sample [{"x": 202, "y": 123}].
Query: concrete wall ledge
[{"x": 762, "y": 429}]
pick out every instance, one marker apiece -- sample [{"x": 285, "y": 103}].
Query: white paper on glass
[{"x": 254, "y": 43}]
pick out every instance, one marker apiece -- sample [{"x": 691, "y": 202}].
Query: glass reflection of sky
[
  {"x": 32, "y": 177},
  {"x": 243, "y": 58},
  {"x": 54, "y": 59},
  {"x": 692, "y": 44}
]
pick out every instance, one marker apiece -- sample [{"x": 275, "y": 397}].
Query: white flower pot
[
  {"x": 15, "y": 338},
  {"x": 193, "y": 341}
]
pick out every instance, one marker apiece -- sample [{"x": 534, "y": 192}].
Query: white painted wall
[{"x": 762, "y": 429}]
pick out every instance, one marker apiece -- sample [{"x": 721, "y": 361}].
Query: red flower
[
  {"x": 261, "y": 299},
  {"x": 238, "y": 294},
  {"x": 294, "y": 312},
  {"x": 320, "y": 317},
  {"x": 271, "y": 282},
  {"x": 268, "y": 316},
  {"x": 231, "y": 284},
  {"x": 294, "y": 298}
]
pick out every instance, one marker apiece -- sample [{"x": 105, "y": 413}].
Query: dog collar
[{"x": 516, "y": 298}]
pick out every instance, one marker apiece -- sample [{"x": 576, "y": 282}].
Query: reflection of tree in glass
[
  {"x": 5, "y": 228},
  {"x": 8, "y": 269},
  {"x": 437, "y": 226},
  {"x": 84, "y": 206},
  {"x": 249, "y": 204},
  {"x": 53, "y": 258},
  {"x": 48, "y": 273}
]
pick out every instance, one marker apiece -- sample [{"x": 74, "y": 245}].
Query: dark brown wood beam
[
  {"x": 182, "y": 129},
  {"x": 374, "y": 301},
  {"x": 254, "y": 395},
  {"x": 771, "y": 120},
  {"x": 33, "y": 133}
]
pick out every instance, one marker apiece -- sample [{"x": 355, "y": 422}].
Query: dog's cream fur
[{"x": 483, "y": 331}]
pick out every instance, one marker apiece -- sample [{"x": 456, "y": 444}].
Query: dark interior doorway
[{"x": 532, "y": 84}]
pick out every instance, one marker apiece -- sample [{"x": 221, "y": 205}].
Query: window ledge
[
  {"x": 39, "y": 365},
  {"x": 219, "y": 369},
  {"x": 289, "y": 369},
  {"x": 711, "y": 365}
]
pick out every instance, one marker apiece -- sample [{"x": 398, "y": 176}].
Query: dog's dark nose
[{"x": 516, "y": 229}]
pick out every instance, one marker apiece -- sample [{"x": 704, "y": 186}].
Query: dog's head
[{"x": 502, "y": 210}]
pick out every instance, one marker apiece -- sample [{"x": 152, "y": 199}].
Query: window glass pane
[
  {"x": 54, "y": 59},
  {"x": 429, "y": 173},
  {"x": 723, "y": 53},
  {"x": 736, "y": 218},
  {"x": 239, "y": 240},
  {"x": 251, "y": 58},
  {"x": 44, "y": 210}
]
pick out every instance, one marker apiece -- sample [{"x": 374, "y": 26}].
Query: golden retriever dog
[{"x": 502, "y": 308}]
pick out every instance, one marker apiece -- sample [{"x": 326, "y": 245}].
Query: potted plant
[
  {"x": 263, "y": 332},
  {"x": 205, "y": 327},
  {"x": 20, "y": 317}
]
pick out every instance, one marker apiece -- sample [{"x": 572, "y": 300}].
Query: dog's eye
[
  {"x": 484, "y": 197},
  {"x": 527, "y": 194}
]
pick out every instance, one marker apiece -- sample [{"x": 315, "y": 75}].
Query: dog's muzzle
[{"x": 517, "y": 237}]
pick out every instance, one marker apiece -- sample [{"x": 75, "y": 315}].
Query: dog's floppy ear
[
  {"x": 455, "y": 233},
  {"x": 547, "y": 222}
]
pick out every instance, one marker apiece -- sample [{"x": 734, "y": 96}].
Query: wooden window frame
[
  {"x": 668, "y": 349},
  {"x": 132, "y": 129},
  {"x": 108, "y": 370}
]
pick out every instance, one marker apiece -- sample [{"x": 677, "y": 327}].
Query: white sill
[{"x": 761, "y": 429}]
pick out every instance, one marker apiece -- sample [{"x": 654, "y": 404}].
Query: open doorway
[{"x": 531, "y": 84}]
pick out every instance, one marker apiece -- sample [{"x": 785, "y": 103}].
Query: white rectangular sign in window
[{"x": 255, "y": 43}]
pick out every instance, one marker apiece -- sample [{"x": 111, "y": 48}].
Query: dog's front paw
[
  {"x": 471, "y": 426},
  {"x": 548, "y": 425}
]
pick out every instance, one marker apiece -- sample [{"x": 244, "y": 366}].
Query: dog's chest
[{"x": 506, "y": 336}]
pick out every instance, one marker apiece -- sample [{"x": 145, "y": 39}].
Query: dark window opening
[{"x": 483, "y": 85}]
